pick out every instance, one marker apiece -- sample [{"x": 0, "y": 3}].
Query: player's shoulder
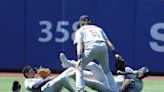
[
  {"x": 97, "y": 27},
  {"x": 78, "y": 30},
  {"x": 82, "y": 28},
  {"x": 94, "y": 26}
]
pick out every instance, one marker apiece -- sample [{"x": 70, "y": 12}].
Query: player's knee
[
  {"x": 64, "y": 80},
  {"x": 92, "y": 65}
]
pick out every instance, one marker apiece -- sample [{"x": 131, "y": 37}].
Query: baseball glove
[
  {"x": 120, "y": 63},
  {"x": 44, "y": 72}
]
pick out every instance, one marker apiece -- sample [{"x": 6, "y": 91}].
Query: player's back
[{"x": 91, "y": 33}]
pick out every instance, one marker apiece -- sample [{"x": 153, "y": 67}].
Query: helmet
[
  {"x": 145, "y": 70},
  {"x": 84, "y": 20}
]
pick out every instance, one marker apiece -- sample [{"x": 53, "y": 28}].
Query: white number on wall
[
  {"x": 155, "y": 34},
  {"x": 47, "y": 31}
]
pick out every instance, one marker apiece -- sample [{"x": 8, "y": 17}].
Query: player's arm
[
  {"x": 79, "y": 46},
  {"x": 112, "y": 48},
  {"x": 39, "y": 84},
  {"x": 110, "y": 45},
  {"x": 79, "y": 49},
  {"x": 79, "y": 52},
  {"x": 108, "y": 42}
]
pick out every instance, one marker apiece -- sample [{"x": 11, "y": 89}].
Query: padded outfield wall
[{"x": 34, "y": 32}]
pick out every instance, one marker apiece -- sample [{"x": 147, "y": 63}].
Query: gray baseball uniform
[
  {"x": 95, "y": 47},
  {"x": 138, "y": 83}
]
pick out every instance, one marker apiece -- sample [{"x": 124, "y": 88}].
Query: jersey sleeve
[
  {"x": 78, "y": 36},
  {"x": 129, "y": 70},
  {"x": 40, "y": 83},
  {"x": 28, "y": 84},
  {"x": 104, "y": 35}
]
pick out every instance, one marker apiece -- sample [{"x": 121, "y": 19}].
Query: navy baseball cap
[{"x": 84, "y": 18}]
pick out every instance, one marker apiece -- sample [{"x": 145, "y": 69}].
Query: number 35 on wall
[{"x": 47, "y": 31}]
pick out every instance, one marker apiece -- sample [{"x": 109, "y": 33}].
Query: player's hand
[{"x": 117, "y": 56}]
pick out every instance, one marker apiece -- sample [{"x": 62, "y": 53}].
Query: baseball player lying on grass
[
  {"x": 43, "y": 82},
  {"x": 128, "y": 80}
]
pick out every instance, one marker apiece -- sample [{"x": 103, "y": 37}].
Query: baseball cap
[{"x": 84, "y": 18}]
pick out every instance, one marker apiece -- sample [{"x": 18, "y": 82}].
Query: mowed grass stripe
[
  {"x": 149, "y": 85},
  {"x": 153, "y": 86}
]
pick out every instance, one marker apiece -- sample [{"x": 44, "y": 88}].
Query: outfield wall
[{"x": 34, "y": 32}]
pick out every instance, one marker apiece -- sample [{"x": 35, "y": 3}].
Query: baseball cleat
[{"x": 64, "y": 60}]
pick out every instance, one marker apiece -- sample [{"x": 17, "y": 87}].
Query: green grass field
[{"x": 149, "y": 85}]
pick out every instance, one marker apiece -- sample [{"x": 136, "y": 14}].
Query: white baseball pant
[
  {"x": 98, "y": 51},
  {"x": 57, "y": 83}
]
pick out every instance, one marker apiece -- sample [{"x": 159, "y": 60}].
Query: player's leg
[
  {"x": 110, "y": 80},
  {"x": 53, "y": 86},
  {"x": 68, "y": 72},
  {"x": 103, "y": 59},
  {"x": 99, "y": 83},
  {"x": 96, "y": 85},
  {"x": 80, "y": 84},
  {"x": 88, "y": 55},
  {"x": 65, "y": 62},
  {"x": 57, "y": 83},
  {"x": 96, "y": 71},
  {"x": 90, "y": 66},
  {"x": 67, "y": 85},
  {"x": 79, "y": 73},
  {"x": 65, "y": 80},
  {"x": 95, "y": 68}
]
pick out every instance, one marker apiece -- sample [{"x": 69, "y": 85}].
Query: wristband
[
  {"x": 79, "y": 57},
  {"x": 114, "y": 52}
]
